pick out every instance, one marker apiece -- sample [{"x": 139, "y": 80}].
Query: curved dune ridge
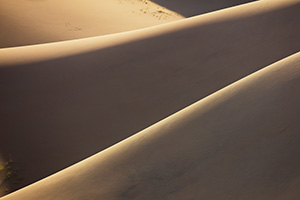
[
  {"x": 240, "y": 142},
  {"x": 62, "y": 102},
  {"x": 190, "y": 8},
  {"x": 28, "y": 22}
]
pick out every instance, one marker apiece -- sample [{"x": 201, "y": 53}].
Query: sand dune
[
  {"x": 29, "y": 22},
  {"x": 190, "y": 8},
  {"x": 241, "y": 142},
  {"x": 65, "y": 101}
]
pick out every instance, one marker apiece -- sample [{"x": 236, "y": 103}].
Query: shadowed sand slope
[
  {"x": 65, "y": 101},
  {"x": 190, "y": 8},
  {"x": 26, "y": 22},
  {"x": 241, "y": 142}
]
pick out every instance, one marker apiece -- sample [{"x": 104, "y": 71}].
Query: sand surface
[
  {"x": 238, "y": 143},
  {"x": 62, "y": 102},
  {"x": 190, "y": 8},
  {"x": 29, "y": 22}
]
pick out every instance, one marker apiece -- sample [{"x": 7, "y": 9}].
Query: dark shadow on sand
[
  {"x": 58, "y": 112},
  {"x": 191, "y": 8}
]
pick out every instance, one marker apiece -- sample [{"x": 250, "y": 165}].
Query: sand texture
[
  {"x": 28, "y": 22},
  {"x": 205, "y": 107}
]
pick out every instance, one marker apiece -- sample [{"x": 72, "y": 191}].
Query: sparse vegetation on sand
[{"x": 8, "y": 176}]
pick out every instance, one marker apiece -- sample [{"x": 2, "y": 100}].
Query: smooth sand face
[
  {"x": 65, "y": 101},
  {"x": 238, "y": 143},
  {"x": 84, "y": 96},
  {"x": 190, "y": 8},
  {"x": 29, "y": 22}
]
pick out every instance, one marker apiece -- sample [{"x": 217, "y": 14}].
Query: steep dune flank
[
  {"x": 65, "y": 101},
  {"x": 26, "y": 22},
  {"x": 241, "y": 142}
]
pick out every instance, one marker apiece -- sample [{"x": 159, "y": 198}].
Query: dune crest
[
  {"x": 190, "y": 8},
  {"x": 65, "y": 101},
  {"x": 240, "y": 142},
  {"x": 36, "y": 22},
  {"x": 111, "y": 87}
]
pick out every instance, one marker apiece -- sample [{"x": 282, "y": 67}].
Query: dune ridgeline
[{"x": 205, "y": 107}]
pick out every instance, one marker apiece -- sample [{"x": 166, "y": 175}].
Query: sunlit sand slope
[
  {"x": 241, "y": 142},
  {"x": 65, "y": 101},
  {"x": 25, "y": 22}
]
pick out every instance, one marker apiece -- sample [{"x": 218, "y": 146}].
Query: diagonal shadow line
[
  {"x": 197, "y": 7},
  {"x": 84, "y": 103}
]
